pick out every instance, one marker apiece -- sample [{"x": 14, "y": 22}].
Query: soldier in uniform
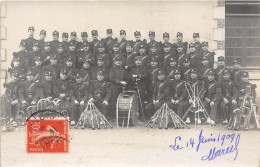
[
  {"x": 204, "y": 69},
  {"x": 109, "y": 41},
  {"x": 186, "y": 70},
  {"x": 37, "y": 70},
  {"x": 46, "y": 53},
  {"x": 152, "y": 41},
  {"x": 195, "y": 58},
  {"x": 142, "y": 53},
  {"x": 198, "y": 45},
  {"x": 229, "y": 96},
  {"x": 181, "y": 54},
  {"x": 80, "y": 94},
  {"x": 138, "y": 42},
  {"x": 55, "y": 42},
  {"x": 152, "y": 78},
  {"x": 22, "y": 55},
  {"x": 34, "y": 53},
  {"x": 48, "y": 88},
  {"x": 29, "y": 92},
  {"x": 84, "y": 40},
  {"x": 95, "y": 41},
  {"x": 180, "y": 42},
  {"x": 167, "y": 55},
  {"x": 220, "y": 69},
  {"x": 85, "y": 71},
  {"x": 53, "y": 67},
  {"x": 117, "y": 53},
  {"x": 17, "y": 67},
  {"x": 153, "y": 52},
  {"x": 100, "y": 67},
  {"x": 166, "y": 38},
  {"x": 65, "y": 43},
  {"x": 207, "y": 54},
  {"x": 161, "y": 95},
  {"x": 102, "y": 53},
  {"x": 212, "y": 96},
  {"x": 178, "y": 94},
  {"x": 101, "y": 93},
  {"x": 71, "y": 72},
  {"x": 198, "y": 85},
  {"x": 72, "y": 53},
  {"x": 12, "y": 93},
  {"x": 64, "y": 87},
  {"x": 236, "y": 72},
  {"x": 60, "y": 55},
  {"x": 42, "y": 40},
  {"x": 85, "y": 54},
  {"x": 73, "y": 40},
  {"x": 30, "y": 40},
  {"x": 130, "y": 55},
  {"x": 118, "y": 79},
  {"x": 171, "y": 69},
  {"x": 122, "y": 43},
  {"x": 138, "y": 79}
]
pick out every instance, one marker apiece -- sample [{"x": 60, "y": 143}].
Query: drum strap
[
  {"x": 161, "y": 85},
  {"x": 95, "y": 44},
  {"x": 219, "y": 73},
  {"x": 193, "y": 55},
  {"x": 210, "y": 86},
  {"x": 206, "y": 54},
  {"x": 35, "y": 78},
  {"x": 121, "y": 45},
  {"x": 166, "y": 56},
  {"x": 154, "y": 70},
  {"x": 109, "y": 41},
  {"x": 206, "y": 71},
  {"x": 181, "y": 56},
  {"x": 136, "y": 44},
  {"x": 84, "y": 79},
  {"x": 143, "y": 57},
  {"x": 186, "y": 72},
  {"x": 171, "y": 72},
  {"x": 178, "y": 85}
]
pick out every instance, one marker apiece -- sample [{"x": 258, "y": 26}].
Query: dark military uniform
[
  {"x": 178, "y": 93},
  {"x": 46, "y": 55},
  {"x": 184, "y": 44},
  {"x": 23, "y": 56},
  {"x": 37, "y": 70},
  {"x": 65, "y": 43},
  {"x": 185, "y": 71},
  {"x": 236, "y": 73},
  {"x": 95, "y": 42},
  {"x": 169, "y": 71},
  {"x": 101, "y": 92},
  {"x": 74, "y": 42},
  {"x": 208, "y": 55},
  {"x": 137, "y": 43},
  {"x": 122, "y": 43},
  {"x": 203, "y": 70},
  {"x": 86, "y": 55},
  {"x": 151, "y": 43},
  {"x": 54, "y": 43},
  {"x": 17, "y": 69},
  {"x": 195, "y": 58},
  {"x": 220, "y": 70},
  {"x": 156, "y": 55},
  {"x": 48, "y": 89},
  {"x": 181, "y": 56},
  {"x": 29, "y": 41},
  {"x": 213, "y": 93},
  {"x": 161, "y": 93},
  {"x": 109, "y": 42},
  {"x": 84, "y": 42},
  {"x": 118, "y": 54},
  {"x": 29, "y": 92},
  {"x": 230, "y": 92},
  {"x": 167, "y": 57},
  {"x": 53, "y": 68},
  {"x": 41, "y": 41},
  {"x": 73, "y": 55},
  {"x": 34, "y": 54},
  {"x": 12, "y": 92},
  {"x": 129, "y": 62}
]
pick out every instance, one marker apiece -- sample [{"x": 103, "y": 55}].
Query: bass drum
[
  {"x": 5, "y": 110},
  {"x": 127, "y": 109}
]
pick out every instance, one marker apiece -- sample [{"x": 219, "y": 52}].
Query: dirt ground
[{"x": 135, "y": 146}]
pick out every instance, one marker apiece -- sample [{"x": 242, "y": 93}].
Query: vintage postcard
[{"x": 130, "y": 83}]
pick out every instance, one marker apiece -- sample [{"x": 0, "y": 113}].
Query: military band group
[{"x": 78, "y": 72}]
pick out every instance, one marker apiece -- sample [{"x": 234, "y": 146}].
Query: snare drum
[{"x": 127, "y": 108}]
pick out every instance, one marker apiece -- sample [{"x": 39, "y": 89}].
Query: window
[
  {"x": 221, "y": 23},
  {"x": 220, "y": 45}
]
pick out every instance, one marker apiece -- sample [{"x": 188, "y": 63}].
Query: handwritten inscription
[{"x": 226, "y": 144}]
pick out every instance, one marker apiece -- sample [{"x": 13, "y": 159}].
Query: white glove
[
  {"x": 212, "y": 103},
  {"x": 33, "y": 102},
  {"x": 23, "y": 102},
  {"x": 81, "y": 103},
  {"x": 14, "y": 102},
  {"x": 207, "y": 100},
  {"x": 76, "y": 102},
  {"x": 123, "y": 83},
  {"x": 234, "y": 101},
  {"x": 105, "y": 102},
  {"x": 91, "y": 100},
  {"x": 225, "y": 100},
  {"x": 173, "y": 101}
]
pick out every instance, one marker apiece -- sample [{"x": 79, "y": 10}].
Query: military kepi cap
[
  {"x": 84, "y": 34},
  {"x": 43, "y": 32},
  {"x": 195, "y": 35},
  {"x": 122, "y": 32},
  {"x": 31, "y": 28},
  {"x": 245, "y": 74},
  {"x": 237, "y": 61},
  {"x": 65, "y": 35},
  {"x": 220, "y": 58}
]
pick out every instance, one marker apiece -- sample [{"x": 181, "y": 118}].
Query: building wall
[{"x": 179, "y": 16}]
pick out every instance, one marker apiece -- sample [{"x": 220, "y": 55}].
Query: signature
[{"x": 228, "y": 143}]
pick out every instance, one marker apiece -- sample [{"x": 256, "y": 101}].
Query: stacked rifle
[
  {"x": 164, "y": 116},
  {"x": 92, "y": 117}
]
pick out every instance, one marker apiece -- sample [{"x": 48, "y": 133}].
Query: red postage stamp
[{"x": 47, "y": 136}]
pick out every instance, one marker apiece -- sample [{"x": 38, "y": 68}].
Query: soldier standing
[
  {"x": 60, "y": 54},
  {"x": 118, "y": 78},
  {"x": 34, "y": 53},
  {"x": 161, "y": 95},
  {"x": 53, "y": 67},
  {"x": 80, "y": 96},
  {"x": 154, "y": 53},
  {"x": 170, "y": 71},
  {"x": 236, "y": 72},
  {"x": 142, "y": 53},
  {"x": 129, "y": 56},
  {"x": 220, "y": 69},
  {"x": 85, "y": 71},
  {"x": 30, "y": 40},
  {"x": 100, "y": 67},
  {"x": 167, "y": 55},
  {"x": 186, "y": 70},
  {"x": 212, "y": 96},
  {"x": 122, "y": 43},
  {"x": 152, "y": 78},
  {"x": 207, "y": 54},
  {"x": 166, "y": 38},
  {"x": 152, "y": 41},
  {"x": 204, "y": 69},
  {"x": 72, "y": 53},
  {"x": 101, "y": 93},
  {"x": 181, "y": 55},
  {"x": 73, "y": 40},
  {"x": 84, "y": 40},
  {"x": 46, "y": 53},
  {"x": 138, "y": 42},
  {"x": 229, "y": 96},
  {"x": 178, "y": 94},
  {"x": 65, "y": 43},
  {"x": 180, "y": 42},
  {"x": 55, "y": 42},
  {"x": 95, "y": 41},
  {"x": 42, "y": 40},
  {"x": 117, "y": 53},
  {"x": 109, "y": 41},
  {"x": 29, "y": 92},
  {"x": 17, "y": 68},
  {"x": 22, "y": 55},
  {"x": 103, "y": 54},
  {"x": 198, "y": 45},
  {"x": 38, "y": 69}
]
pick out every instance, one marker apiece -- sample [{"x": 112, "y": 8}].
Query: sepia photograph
[{"x": 130, "y": 83}]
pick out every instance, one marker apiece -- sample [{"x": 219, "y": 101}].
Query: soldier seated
[
  {"x": 161, "y": 95},
  {"x": 101, "y": 93},
  {"x": 178, "y": 94},
  {"x": 48, "y": 88}
]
